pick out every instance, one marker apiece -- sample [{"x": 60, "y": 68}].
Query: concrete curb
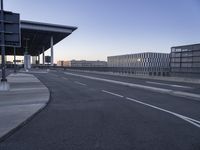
[{"x": 27, "y": 120}]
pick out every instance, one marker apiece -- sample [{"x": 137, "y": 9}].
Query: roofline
[
  {"x": 48, "y": 24},
  {"x": 185, "y": 45},
  {"x": 139, "y": 53}
]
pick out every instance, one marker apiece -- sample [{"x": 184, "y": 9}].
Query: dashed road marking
[
  {"x": 155, "y": 89},
  {"x": 65, "y": 78},
  {"x": 118, "y": 95},
  {"x": 80, "y": 83}
]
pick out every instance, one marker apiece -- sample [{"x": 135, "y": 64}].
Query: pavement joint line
[
  {"x": 172, "y": 85},
  {"x": 27, "y": 89},
  {"x": 187, "y": 119},
  {"x": 118, "y": 95},
  {"x": 155, "y": 89},
  {"x": 23, "y": 106},
  {"x": 80, "y": 83}
]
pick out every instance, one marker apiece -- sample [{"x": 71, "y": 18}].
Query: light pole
[
  {"x": 4, "y": 86},
  {"x": 3, "y": 45}
]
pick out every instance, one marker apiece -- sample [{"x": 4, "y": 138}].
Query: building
[
  {"x": 63, "y": 63},
  {"x": 85, "y": 63},
  {"x": 1, "y": 59},
  {"x": 142, "y": 63},
  {"x": 185, "y": 60},
  {"x": 37, "y": 38},
  {"x": 82, "y": 63}
]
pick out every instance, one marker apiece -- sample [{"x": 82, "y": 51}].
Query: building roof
[
  {"x": 38, "y": 35},
  {"x": 189, "y": 45}
]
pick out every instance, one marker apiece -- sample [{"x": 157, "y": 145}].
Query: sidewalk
[{"x": 27, "y": 95}]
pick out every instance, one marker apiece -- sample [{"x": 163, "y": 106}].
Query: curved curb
[{"x": 26, "y": 121}]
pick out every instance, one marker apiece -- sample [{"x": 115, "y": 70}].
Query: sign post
[
  {"x": 10, "y": 37},
  {"x": 3, "y": 45}
]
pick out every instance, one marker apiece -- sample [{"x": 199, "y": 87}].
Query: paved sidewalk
[{"x": 27, "y": 95}]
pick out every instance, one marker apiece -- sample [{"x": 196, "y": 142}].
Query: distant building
[
  {"x": 82, "y": 63},
  {"x": 1, "y": 59},
  {"x": 185, "y": 60},
  {"x": 34, "y": 60},
  {"x": 142, "y": 63},
  {"x": 85, "y": 63},
  {"x": 64, "y": 63}
]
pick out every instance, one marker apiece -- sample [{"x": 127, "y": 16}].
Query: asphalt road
[{"x": 88, "y": 114}]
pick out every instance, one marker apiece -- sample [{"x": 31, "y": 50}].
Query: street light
[{"x": 4, "y": 86}]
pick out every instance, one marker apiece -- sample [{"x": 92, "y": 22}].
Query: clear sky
[{"x": 115, "y": 27}]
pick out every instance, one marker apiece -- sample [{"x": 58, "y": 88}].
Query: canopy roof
[{"x": 38, "y": 35}]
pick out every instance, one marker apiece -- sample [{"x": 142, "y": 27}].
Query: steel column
[
  {"x": 52, "y": 53},
  {"x": 43, "y": 56}
]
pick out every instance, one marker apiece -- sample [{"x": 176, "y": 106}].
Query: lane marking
[
  {"x": 155, "y": 89},
  {"x": 171, "y": 85},
  {"x": 80, "y": 83},
  {"x": 187, "y": 119},
  {"x": 55, "y": 75},
  {"x": 112, "y": 93},
  {"x": 65, "y": 78}
]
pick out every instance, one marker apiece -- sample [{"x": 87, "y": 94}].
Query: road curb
[{"x": 25, "y": 122}]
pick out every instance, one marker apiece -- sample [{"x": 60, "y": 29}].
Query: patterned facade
[{"x": 142, "y": 63}]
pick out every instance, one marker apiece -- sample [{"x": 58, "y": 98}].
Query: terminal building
[
  {"x": 82, "y": 63},
  {"x": 185, "y": 61},
  {"x": 63, "y": 63},
  {"x": 36, "y": 38},
  {"x": 142, "y": 63}
]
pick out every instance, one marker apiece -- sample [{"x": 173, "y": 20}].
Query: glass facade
[
  {"x": 185, "y": 60},
  {"x": 142, "y": 63}
]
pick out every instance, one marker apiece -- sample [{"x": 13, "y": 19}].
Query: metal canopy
[{"x": 38, "y": 35}]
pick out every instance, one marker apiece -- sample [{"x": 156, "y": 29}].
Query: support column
[
  {"x": 15, "y": 60},
  {"x": 39, "y": 59},
  {"x": 43, "y": 56},
  {"x": 52, "y": 56}
]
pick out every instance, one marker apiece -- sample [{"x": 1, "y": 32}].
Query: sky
[{"x": 115, "y": 27}]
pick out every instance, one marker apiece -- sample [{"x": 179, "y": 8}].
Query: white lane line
[
  {"x": 80, "y": 83},
  {"x": 171, "y": 85},
  {"x": 155, "y": 89},
  {"x": 112, "y": 93},
  {"x": 187, "y": 119},
  {"x": 65, "y": 78}
]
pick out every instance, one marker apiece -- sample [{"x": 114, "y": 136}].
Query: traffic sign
[{"x": 12, "y": 32}]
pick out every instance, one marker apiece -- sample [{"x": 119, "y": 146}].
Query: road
[{"x": 91, "y": 111}]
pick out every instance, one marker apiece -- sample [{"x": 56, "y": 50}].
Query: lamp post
[
  {"x": 3, "y": 45},
  {"x": 4, "y": 86}
]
